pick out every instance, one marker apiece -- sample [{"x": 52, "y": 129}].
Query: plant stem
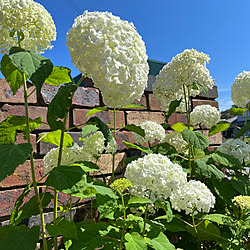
[
  {"x": 144, "y": 222},
  {"x": 124, "y": 221},
  {"x": 113, "y": 160},
  {"x": 195, "y": 229},
  {"x": 32, "y": 165}
]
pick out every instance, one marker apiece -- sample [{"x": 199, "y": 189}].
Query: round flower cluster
[
  {"x": 242, "y": 201},
  {"x": 183, "y": 71},
  {"x": 237, "y": 148},
  {"x": 110, "y": 52},
  {"x": 154, "y": 176},
  {"x": 175, "y": 139},
  {"x": 121, "y": 185},
  {"x": 192, "y": 197},
  {"x": 69, "y": 156},
  {"x": 94, "y": 144},
  {"x": 205, "y": 116},
  {"x": 153, "y": 131},
  {"x": 28, "y": 17},
  {"x": 240, "y": 90}
]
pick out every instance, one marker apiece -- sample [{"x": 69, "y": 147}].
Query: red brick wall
[{"x": 84, "y": 100}]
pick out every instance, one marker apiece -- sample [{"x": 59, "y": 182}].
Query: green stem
[
  {"x": 246, "y": 119},
  {"x": 113, "y": 160},
  {"x": 124, "y": 221},
  {"x": 70, "y": 210},
  {"x": 32, "y": 164},
  {"x": 195, "y": 229},
  {"x": 144, "y": 222}
]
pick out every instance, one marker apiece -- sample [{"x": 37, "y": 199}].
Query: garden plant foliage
[{"x": 175, "y": 194}]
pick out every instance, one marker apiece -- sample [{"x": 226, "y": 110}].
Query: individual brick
[
  {"x": 136, "y": 117},
  {"x": 214, "y": 139},
  {"x": 20, "y": 139},
  {"x": 153, "y": 103},
  {"x": 6, "y": 94},
  {"x": 123, "y": 136},
  {"x": 197, "y": 102},
  {"x": 87, "y": 97},
  {"x": 105, "y": 116},
  {"x": 176, "y": 118},
  {"x": 212, "y": 148},
  {"x": 22, "y": 173},
  {"x": 47, "y": 93},
  {"x": 212, "y": 93}
]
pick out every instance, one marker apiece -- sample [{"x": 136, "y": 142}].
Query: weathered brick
[
  {"x": 88, "y": 97},
  {"x": 212, "y": 93},
  {"x": 136, "y": 117},
  {"x": 105, "y": 116},
  {"x": 197, "y": 102},
  {"x": 176, "y": 118},
  {"x": 153, "y": 103},
  {"x": 123, "y": 136},
  {"x": 6, "y": 95},
  {"x": 20, "y": 139},
  {"x": 214, "y": 139},
  {"x": 105, "y": 163},
  {"x": 34, "y": 112},
  {"x": 22, "y": 174},
  {"x": 88, "y": 82},
  {"x": 47, "y": 93}
]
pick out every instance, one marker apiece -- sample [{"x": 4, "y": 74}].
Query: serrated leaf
[
  {"x": 161, "y": 242},
  {"x": 63, "y": 227},
  {"x": 141, "y": 148},
  {"x": 54, "y": 137},
  {"x": 96, "y": 110},
  {"x": 139, "y": 200},
  {"x": 86, "y": 130},
  {"x": 165, "y": 205},
  {"x": 102, "y": 127},
  {"x": 36, "y": 67},
  {"x": 179, "y": 126},
  {"x": 136, "y": 129},
  {"x": 134, "y": 105},
  {"x": 237, "y": 111},
  {"x": 164, "y": 149},
  {"x": 11, "y": 73},
  {"x": 219, "y": 127},
  {"x": 242, "y": 131},
  {"x": 226, "y": 160},
  {"x": 9, "y": 127},
  {"x": 195, "y": 139},
  {"x": 172, "y": 107},
  {"x": 67, "y": 179},
  {"x": 59, "y": 75},
  {"x": 221, "y": 219},
  {"x": 135, "y": 241},
  {"x": 11, "y": 156},
  {"x": 59, "y": 106},
  {"x": 19, "y": 237}
]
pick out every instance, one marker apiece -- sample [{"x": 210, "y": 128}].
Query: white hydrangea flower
[
  {"x": 153, "y": 131},
  {"x": 175, "y": 139},
  {"x": 69, "y": 156},
  {"x": 155, "y": 176},
  {"x": 205, "y": 115},
  {"x": 237, "y": 148},
  {"x": 184, "y": 69},
  {"x": 32, "y": 19},
  {"x": 112, "y": 146},
  {"x": 240, "y": 90},
  {"x": 192, "y": 197},
  {"x": 110, "y": 52}
]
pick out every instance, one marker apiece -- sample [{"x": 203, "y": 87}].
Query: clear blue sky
[{"x": 220, "y": 28}]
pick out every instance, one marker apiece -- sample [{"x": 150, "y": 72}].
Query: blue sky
[{"x": 220, "y": 28}]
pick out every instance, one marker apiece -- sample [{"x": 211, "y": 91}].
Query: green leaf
[
  {"x": 104, "y": 190},
  {"x": 139, "y": 200},
  {"x": 132, "y": 158},
  {"x": 176, "y": 225},
  {"x": 242, "y": 131},
  {"x": 86, "y": 130},
  {"x": 241, "y": 183},
  {"x": 9, "y": 127},
  {"x": 67, "y": 179},
  {"x": 207, "y": 170},
  {"x": 161, "y": 242},
  {"x": 102, "y": 127},
  {"x": 96, "y": 110},
  {"x": 11, "y": 156},
  {"x": 165, "y": 205},
  {"x": 226, "y": 160},
  {"x": 87, "y": 166},
  {"x": 134, "y": 241},
  {"x": 54, "y": 137},
  {"x": 63, "y": 227},
  {"x": 172, "y": 107},
  {"x": 179, "y": 126},
  {"x": 59, "y": 75},
  {"x": 220, "y": 219},
  {"x": 12, "y": 75},
  {"x": 59, "y": 106},
  {"x": 164, "y": 149},
  {"x": 19, "y": 237},
  {"x": 134, "y": 105},
  {"x": 196, "y": 85},
  {"x": 141, "y": 148},
  {"x": 237, "y": 111},
  {"x": 136, "y": 129},
  {"x": 195, "y": 139},
  {"x": 219, "y": 127},
  {"x": 36, "y": 67},
  {"x": 31, "y": 207}
]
